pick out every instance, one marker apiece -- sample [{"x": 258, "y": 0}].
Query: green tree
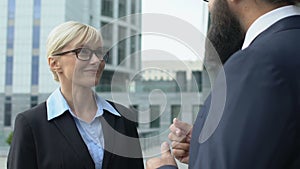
[{"x": 9, "y": 138}]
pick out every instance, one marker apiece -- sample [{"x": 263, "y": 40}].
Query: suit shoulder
[
  {"x": 38, "y": 112},
  {"x": 279, "y": 50}
]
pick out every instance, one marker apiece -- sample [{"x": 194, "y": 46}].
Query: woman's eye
[{"x": 84, "y": 51}]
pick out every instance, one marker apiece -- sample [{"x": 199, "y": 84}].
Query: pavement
[{"x": 3, "y": 162}]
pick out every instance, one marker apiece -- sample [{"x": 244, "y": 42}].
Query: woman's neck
[{"x": 81, "y": 100}]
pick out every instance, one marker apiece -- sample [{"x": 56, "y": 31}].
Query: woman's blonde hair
[{"x": 67, "y": 32}]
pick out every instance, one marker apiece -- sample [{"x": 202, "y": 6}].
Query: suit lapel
[
  {"x": 67, "y": 127},
  {"x": 108, "y": 122}
]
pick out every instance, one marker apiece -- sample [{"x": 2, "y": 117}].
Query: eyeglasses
[
  {"x": 85, "y": 54},
  {"x": 206, "y": 0}
]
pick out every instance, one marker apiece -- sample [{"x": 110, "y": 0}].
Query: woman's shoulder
[{"x": 37, "y": 112}]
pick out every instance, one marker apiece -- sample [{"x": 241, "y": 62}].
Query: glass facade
[
  {"x": 11, "y": 9},
  {"x": 175, "y": 112},
  {"x": 133, "y": 6},
  {"x": 10, "y": 35},
  {"x": 122, "y": 8},
  {"x": 107, "y": 7},
  {"x": 197, "y": 76},
  {"x": 107, "y": 35},
  {"x": 105, "y": 82},
  {"x": 35, "y": 43},
  {"x": 33, "y": 101},
  {"x": 35, "y": 70},
  {"x": 121, "y": 44},
  {"x": 10, "y": 43},
  {"x": 154, "y": 116},
  {"x": 7, "y": 111},
  {"x": 133, "y": 11},
  {"x": 9, "y": 71},
  {"x": 133, "y": 50}
]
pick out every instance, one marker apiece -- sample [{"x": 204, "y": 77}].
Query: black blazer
[{"x": 57, "y": 144}]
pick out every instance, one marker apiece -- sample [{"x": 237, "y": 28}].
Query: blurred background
[{"x": 157, "y": 74}]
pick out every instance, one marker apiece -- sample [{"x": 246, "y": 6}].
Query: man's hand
[
  {"x": 166, "y": 158},
  {"x": 180, "y": 136}
]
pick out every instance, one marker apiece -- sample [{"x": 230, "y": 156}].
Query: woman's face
[{"x": 78, "y": 72}]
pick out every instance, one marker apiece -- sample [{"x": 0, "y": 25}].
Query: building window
[
  {"x": 107, "y": 35},
  {"x": 9, "y": 71},
  {"x": 121, "y": 51},
  {"x": 36, "y": 36},
  {"x": 133, "y": 11},
  {"x": 107, "y": 32},
  {"x": 133, "y": 6},
  {"x": 11, "y": 9},
  {"x": 10, "y": 43},
  {"x": 197, "y": 77},
  {"x": 107, "y": 7},
  {"x": 105, "y": 82},
  {"x": 133, "y": 50},
  {"x": 35, "y": 43},
  {"x": 35, "y": 70},
  {"x": 10, "y": 37},
  {"x": 33, "y": 101},
  {"x": 122, "y": 8},
  {"x": 37, "y": 9},
  {"x": 7, "y": 111},
  {"x": 175, "y": 112},
  {"x": 121, "y": 44},
  {"x": 154, "y": 116}
]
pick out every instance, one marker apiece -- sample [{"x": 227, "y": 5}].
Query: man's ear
[{"x": 54, "y": 64}]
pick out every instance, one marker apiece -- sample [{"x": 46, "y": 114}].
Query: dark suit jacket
[
  {"x": 56, "y": 144},
  {"x": 260, "y": 126}
]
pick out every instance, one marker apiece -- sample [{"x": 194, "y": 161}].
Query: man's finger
[
  {"x": 165, "y": 150},
  {"x": 183, "y": 126},
  {"x": 179, "y": 145},
  {"x": 178, "y": 131},
  {"x": 174, "y": 137},
  {"x": 180, "y": 153}
]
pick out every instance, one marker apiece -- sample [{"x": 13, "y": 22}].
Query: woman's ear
[{"x": 54, "y": 64}]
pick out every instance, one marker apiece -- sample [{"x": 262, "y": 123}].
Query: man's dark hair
[{"x": 290, "y": 2}]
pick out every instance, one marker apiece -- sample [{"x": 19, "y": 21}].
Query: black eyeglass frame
[
  {"x": 78, "y": 50},
  {"x": 206, "y": 0}
]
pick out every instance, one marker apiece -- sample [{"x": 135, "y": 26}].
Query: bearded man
[{"x": 259, "y": 127}]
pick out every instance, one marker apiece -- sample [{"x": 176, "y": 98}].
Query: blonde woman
[{"x": 75, "y": 128}]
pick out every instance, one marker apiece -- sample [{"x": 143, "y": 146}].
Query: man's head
[
  {"x": 288, "y": 2},
  {"x": 230, "y": 20}
]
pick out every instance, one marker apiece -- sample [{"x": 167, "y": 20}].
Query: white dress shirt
[{"x": 267, "y": 20}]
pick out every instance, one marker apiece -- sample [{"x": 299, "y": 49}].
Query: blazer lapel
[
  {"x": 108, "y": 123},
  {"x": 67, "y": 127}
]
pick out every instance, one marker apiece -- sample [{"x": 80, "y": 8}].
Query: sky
[{"x": 193, "y": 13}]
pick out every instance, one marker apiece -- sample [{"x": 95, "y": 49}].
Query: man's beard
[{"x": 225, "y": 33}]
